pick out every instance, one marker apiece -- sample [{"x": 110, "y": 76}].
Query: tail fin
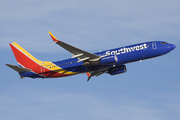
[{"x": 24, "y": 58}]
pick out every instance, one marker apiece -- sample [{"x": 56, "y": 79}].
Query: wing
[{"x": 76, "y": 52}]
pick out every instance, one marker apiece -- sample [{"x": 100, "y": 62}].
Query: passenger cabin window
[{"x": 163, "y": 42}]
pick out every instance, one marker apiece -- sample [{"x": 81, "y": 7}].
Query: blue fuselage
[{"x": 124, "y": 55}]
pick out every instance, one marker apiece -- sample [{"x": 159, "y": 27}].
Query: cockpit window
[{"x": 163, "y": 42}]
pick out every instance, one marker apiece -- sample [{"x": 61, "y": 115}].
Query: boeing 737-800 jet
[{"x": 109, "y": 61}]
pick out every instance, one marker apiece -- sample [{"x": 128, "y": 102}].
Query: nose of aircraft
[{"x": 172, "y": 46}]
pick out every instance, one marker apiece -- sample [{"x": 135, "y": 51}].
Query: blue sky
[{"x": 149, "y": 90}]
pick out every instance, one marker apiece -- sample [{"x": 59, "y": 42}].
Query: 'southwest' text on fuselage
[{"x": 126, "y": 50}]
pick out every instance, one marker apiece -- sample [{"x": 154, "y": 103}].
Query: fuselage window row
[{"x": 64, "y": 64}]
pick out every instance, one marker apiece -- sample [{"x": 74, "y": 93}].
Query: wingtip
[
  {"x": 88, "y": 74},
  {"x": 53, "y": 37}
]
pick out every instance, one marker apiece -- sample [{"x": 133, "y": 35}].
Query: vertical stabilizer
[{"x": 24, "y": 58}]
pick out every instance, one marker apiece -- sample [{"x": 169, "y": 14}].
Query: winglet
[
  {"x": 53, "y": 37},
  {"x": 88, "y": 74}
]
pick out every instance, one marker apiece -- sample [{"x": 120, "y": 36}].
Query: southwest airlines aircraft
[{"x": 108, "y": 61}]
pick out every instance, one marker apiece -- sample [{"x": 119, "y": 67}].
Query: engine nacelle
[
  {"x": 117, "y": 70},
  {"x": 108, "y": 60}
]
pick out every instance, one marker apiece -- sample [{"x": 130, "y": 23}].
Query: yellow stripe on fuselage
[{"x": 51, "y": 66}]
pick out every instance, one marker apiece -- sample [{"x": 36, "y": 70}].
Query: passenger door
[{"x": 154, "y": 46}]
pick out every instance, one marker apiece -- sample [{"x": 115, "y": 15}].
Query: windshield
[{"x": 163, "y": 42}]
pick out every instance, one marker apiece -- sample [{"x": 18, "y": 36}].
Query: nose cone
[{"x": 172, "y": 46}]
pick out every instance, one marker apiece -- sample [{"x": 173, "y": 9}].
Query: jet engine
[
  {"x": 117, "y": 70},
  {"x": 103, "y": 61},
  {"x": 108, "y": 60}
]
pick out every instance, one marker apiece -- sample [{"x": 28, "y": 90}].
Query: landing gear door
[{"x": 154, "y": 46}]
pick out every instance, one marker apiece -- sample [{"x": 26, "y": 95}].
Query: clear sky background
[{"x": 150, "y": 90}]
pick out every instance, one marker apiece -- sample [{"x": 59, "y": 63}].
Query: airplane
[{"x": 109, "y": 61}]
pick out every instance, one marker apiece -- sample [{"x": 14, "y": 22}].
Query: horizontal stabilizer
[{"x": 18, "y": 69}]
